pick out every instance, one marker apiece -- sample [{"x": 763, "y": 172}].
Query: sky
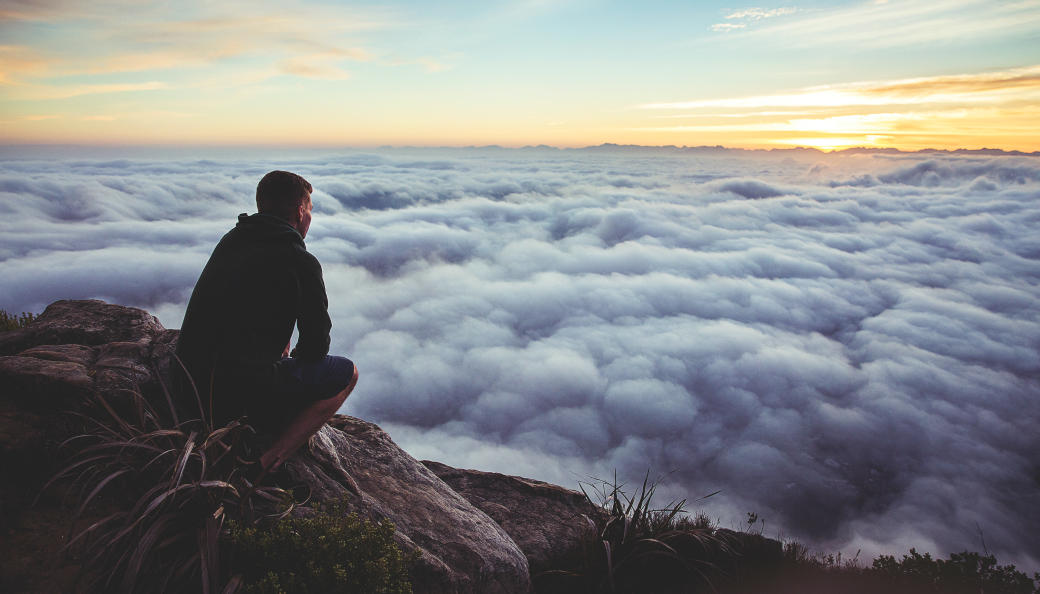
[
  {"x": 909, "y": 74},
  {"x": 846, "y": 345}
]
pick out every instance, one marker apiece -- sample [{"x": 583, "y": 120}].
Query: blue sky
[{"x": 567, "y": 73}]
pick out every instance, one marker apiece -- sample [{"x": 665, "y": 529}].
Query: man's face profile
[{"x": 305, "y": 217}]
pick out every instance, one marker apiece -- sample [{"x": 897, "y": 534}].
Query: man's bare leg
[{"x": 306, "y": 424}]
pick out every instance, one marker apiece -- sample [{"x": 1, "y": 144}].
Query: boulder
[
  {"x": 546, "y": 521},
  {"x": 464, "y": 550},
  {"x": 44, "y": 386},
  {"x": 87, "y": 322},
  {"x": 123, "y": 368}
]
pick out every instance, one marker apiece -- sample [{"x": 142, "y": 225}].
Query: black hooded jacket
[{"x": 259, "y": 282}]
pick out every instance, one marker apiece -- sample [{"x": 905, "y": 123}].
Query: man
[{"x": 259, "y": 283}]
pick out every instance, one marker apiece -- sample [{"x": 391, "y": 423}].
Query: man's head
[{"x": 288, "y": 196}]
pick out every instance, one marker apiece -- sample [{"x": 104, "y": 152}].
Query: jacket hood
[{"x": 267, "y": 227}]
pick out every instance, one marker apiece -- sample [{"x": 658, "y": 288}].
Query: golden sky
[{"x": 909, "y": 74}]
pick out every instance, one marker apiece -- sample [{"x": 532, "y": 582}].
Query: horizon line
[{"x": 540, "y": 147}]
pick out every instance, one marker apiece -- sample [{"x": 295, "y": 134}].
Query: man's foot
[
  {"x": 257, "y": 476},
  {"x": 249, "y": 452}
]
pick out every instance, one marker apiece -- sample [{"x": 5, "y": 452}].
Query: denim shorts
[{"x": 300, "y": 383}]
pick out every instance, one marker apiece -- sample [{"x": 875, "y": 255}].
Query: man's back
[{"x": 259, "y": 283}]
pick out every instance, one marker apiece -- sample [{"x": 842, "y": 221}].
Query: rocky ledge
[{"x": 479, "y": 531}]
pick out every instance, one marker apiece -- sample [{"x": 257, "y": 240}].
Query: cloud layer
[{"x": 848, "y": 346}]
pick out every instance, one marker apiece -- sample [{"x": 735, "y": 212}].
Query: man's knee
[
  {"x": 353, "y": 380},
  {"x": 342, "y": 396}
]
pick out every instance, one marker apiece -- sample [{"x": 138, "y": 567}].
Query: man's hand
[{"x": 285, "y": 353}]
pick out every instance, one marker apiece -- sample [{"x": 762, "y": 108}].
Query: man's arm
[{"x": 312, "y": 319}]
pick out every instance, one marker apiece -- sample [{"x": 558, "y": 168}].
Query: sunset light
[{"x": 903, "y": 73}]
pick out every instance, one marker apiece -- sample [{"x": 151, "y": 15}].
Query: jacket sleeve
[{"x": 312, "y": 318}]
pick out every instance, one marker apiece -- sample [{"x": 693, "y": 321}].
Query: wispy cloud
[
  {"x": 18, "y": 61},
  {"x": 746, "y": 15},
  {"x": 851, "y": 124},
  {"x": 38, "y": 92},
  {"x": 908, "y": 22},
  {"x": 758, "y": 13},
  {"x": 1016, "y": 84},
  {"x": 307, "y": 42},
  {"x": 136, "y": 115},
  {"x": 751, "y": 114}
]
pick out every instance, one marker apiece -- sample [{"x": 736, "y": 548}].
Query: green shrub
[
  {"x": 963, "y": 573},
  {"x": 801, "y": 571},
  {"x": 328, "y": 553},
  {"x": 14, "y": 322}
]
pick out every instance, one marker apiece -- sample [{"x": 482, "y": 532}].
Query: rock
[
  {"x": 464, "y": 551},
  {"x": 43, "y": 386},
  {"x": 546, "y": 521},
  {"x": 90, "y": 322},
  {"x": 122, "y": 369},
  {"x": 70, "y": 353}
]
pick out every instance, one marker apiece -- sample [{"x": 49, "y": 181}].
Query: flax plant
[{"x": 176, "y": 484}]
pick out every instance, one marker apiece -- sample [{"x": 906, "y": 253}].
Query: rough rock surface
[
  {"x": 463, "y": 549},
  {"x": 545, "y": 520},
  {"x": 76, "y": 349},
  {"x": 89, "y": 322}
]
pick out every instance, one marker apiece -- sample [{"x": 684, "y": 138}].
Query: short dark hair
[{"x": 281, "y": 193}]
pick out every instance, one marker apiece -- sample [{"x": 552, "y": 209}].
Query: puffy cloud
[{"x": 848, "y": 346}]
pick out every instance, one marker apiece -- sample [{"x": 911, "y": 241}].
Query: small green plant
[
  {"x": 328, "y": 553},
  {"x": 634, "y": 547},
  {"x": 14, "y": 322}
]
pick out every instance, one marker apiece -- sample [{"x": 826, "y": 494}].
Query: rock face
[
  {"x": 545, "y": 520},
  {"x": 88, "y": 323},
  {"x": 463, "y": 549},
  {"x": 76, "y": 349}
]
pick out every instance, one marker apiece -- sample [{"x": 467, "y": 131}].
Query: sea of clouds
[{"x": 847, "y": 346}]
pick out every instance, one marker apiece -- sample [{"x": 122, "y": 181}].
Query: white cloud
[
  {"x": 750, "y": 15},
  {"x": 758, "y": 13},
  {"x": 846, "y": 345}
]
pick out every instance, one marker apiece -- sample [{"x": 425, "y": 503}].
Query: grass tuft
[{"x": 633, "y": 546}]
